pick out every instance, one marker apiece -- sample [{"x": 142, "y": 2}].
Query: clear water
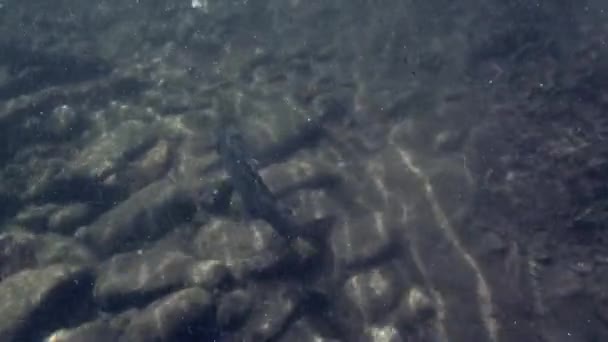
[{"x": 405, "y": 170}]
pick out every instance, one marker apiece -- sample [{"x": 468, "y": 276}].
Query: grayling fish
[
  {"x": 257, "y": 198},
  {"x": 261, "y": 203}
]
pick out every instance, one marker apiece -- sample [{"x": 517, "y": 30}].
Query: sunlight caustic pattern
[{"x": 483, "y": 290}]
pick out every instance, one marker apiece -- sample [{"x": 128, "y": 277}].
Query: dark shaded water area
[{"x": 303, "y": 170}]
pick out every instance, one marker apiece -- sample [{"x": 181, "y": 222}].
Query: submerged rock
[
  {"x": 65, "y": 220},
  {"x": 273, "y": 309},
  {"x": 135, "y": 278},
  {"x": 262, "y": 311},
  {"x": 53, "y": 248},
  {"x": 17, "y": 252},
  {"x": 374, "y": 294},
  {"x": 386, "y": 333},
  {"x": 96, "y": 331},
  {"x": 244, "y": 247},
  {"x": 21, "y": 250},
  {"x": 105, "y": 328},
  {"x": 415, "y": 309},
  {"x": 144, "y": 216},
  {"x": 363, "y": 239},
  {"x": 147, "y": 168},
  {"x": 116, "y": 147},
  {"x": 35, "y": 218},
  {"x": 208, "y": 274},
  {"x": 187, "y": 312},
  {"x": 34, "y": 301},
  {"x": 183, "y": 315},
  {"x": 234, "y": 308},
  {"x": 302, "y": 331}
]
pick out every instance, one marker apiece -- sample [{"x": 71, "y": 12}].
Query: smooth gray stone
[
  {"x": 44, "y": 299},
  {"x": 208, "y": 274},
  {"x": 168, "y": 318},
  {"x": 374, "y": 293},
  {"x": 384, "y": 333},
  {"x": 246, "y": 248},
  {"x": 144, "y": 216},
  {"x": 273, "y": 308},
  {"x": 303, "y": 331},
  {"x": 35, "y": 218},
  {"x": 136, "y": 278},
  {"x": 105, "y": 328},
  {"x": 20, "y": 250},
  {"x": 363, "y": 239},
  {"x": 67, "y": 219},
  {"x": 96, "y": 331},
  {"x": 17, "y": 252},
  {"x": 234, "y": 308}
]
